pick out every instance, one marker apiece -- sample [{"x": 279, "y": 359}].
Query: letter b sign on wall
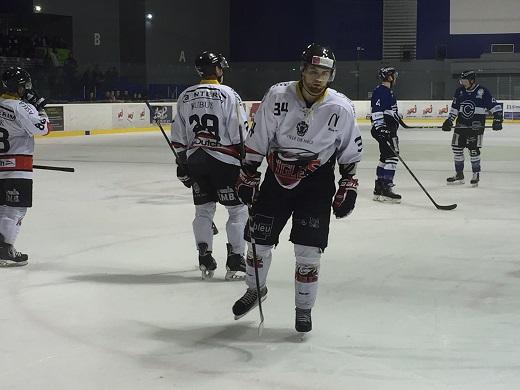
[{"x": 97, "y": 39}]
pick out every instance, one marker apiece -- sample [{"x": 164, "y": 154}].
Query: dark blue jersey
[
  {"x": 384, "y": 108},
  {"x": 472, "y": 105}
]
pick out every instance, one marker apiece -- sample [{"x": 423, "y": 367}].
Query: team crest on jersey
[
  {"x": 467, "y": 109},
  {"x": 480, "y": 93},
  {"x": 301, "y": 128}
]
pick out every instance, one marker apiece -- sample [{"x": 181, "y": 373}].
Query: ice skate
[
  {"x": 207, "y": 263},
  {"x": 457, "y": 179},
  {"x": 303, "y": 323},
  {"x": 10, "y": 257},
  {"x": 248, "y": 301},
  {"x": 235, "y": 263},
  {"x": 383, "y": 192},
  {"x": 475, "y": 179}
]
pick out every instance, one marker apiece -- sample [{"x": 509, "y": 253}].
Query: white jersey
[
  {"x": 19, "y": 123},
  {"x": 207, "y": 118},
  {"x": 296, "y": 139}
]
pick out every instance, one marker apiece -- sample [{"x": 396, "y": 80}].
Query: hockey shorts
[
  {"x": 467, "y": 138},
  {"x": 16, "y": 192},
  {"x": 213, "y": 180},
  {"x": 309, "y": 204}
]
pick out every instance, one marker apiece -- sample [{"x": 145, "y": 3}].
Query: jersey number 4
[{"x": 4, "y": 141}]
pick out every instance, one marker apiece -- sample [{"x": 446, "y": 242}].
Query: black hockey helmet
[
  {"x": 318, "y": 55},
  {"x": 468, "y": 75},
  {"x": 206, "y": 62},
  {"x": 387, "y": 71},
  {"x": 15, "y": 77}
]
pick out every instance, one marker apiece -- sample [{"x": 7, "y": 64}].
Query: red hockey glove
[
  {"x": 248, "y": 184},
  {"x": 345, "y": 198}
]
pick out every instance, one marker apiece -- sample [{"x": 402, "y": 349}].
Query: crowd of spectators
[
  {"x": 57, "y": 74},
  {"x": 18, "y": 44}
]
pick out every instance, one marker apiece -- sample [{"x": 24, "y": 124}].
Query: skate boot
[
  {"x": 457, "y": 179},
  {"x": 235, "y": 263},
  {"x": 10, "y": 257},
  {"x": 248, "y": 301},
  {"x": 377, "y": 190},
  {"x": 386, "y": 193},
  {"x": 303, "y": 321},
  {"x": 207, "y": 263},
  {"x": 475, "y": 179}
]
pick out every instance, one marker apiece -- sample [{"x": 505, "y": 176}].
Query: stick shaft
[{"x": 51, "y": 168}]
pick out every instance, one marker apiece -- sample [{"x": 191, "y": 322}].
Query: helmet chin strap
[{"x": 309, "y": 92}]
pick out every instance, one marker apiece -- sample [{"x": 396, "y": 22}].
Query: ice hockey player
[
  {"x": 385, "y": 122},
  {"x": 21, "y": 118},
  {"x": 205, "y": 134},
  {"x": 302, "y": 128},
  {"x": 470, "y": 105}
]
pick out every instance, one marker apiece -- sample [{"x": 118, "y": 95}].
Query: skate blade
[
  {"x": 232, "y": 275},
  {"x": 12, "y": 264},
  {"x": 384, "y": 199},
  {"x": 455, "y": 183},
  {"x": 205, "y": 273},
  {"x": 255, "y": 305},
  {"x": 474, "y": 185}
]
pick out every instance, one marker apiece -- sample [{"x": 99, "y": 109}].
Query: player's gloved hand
[
  {"x": 345, "y": 198},
  {"x": 183, "y": 175},
  {"x": 497, "y": 121},
  {"x": 446, "y": 126},
  {"x": 383, "y": 134},
  {"x": 30, "y": 96},
  {"x": 248, "y": 184}
]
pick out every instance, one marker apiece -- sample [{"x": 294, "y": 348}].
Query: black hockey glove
[
  {"x": 446, "y": 126},
  {"x": 383, "y": 134},
  {"x": 182, "y": 169},
  {"x": 498, "y": 118},
  {"x": 30, "y": 96},
  {"x": 248, "y": 184},
  {"x": 183, "y": 175},
  {"x": 345, "y": 198}
]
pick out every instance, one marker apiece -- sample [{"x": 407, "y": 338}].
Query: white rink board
[{"x": 127, "y": 116}]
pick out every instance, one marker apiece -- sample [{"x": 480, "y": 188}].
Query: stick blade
[{"x": 447, "y": 207}]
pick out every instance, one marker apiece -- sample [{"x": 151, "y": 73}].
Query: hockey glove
[
  {"x": 497, "y": 121},
  {"x": 183, "y": 175},
  {"x": 446, "y": 126},
  {"x": 248, "y": 184},
  {"x": 30, "y": 96},
  {"x": 383, "y": 134},
  {"x": 345, "y": 198}
]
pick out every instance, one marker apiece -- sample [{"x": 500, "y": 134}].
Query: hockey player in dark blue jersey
[
  {"x": 385, "y": 121},
  {"x": 471, "y": 103}
]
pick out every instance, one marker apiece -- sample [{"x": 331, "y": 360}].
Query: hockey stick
[
  {"x": 405, "y": 126},
  {"x": 251, "y": 224},
  {"x": 438, "y": 206},
  {"x": 213, "y": 226},
  {"x": 50, "y": 168}
]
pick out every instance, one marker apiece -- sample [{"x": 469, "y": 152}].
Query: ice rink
[{"x": 410, "y": 297}]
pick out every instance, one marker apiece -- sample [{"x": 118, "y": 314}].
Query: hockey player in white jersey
[
  {"x": 303, "y": 128},
  {"x": 21, "y": 118},
  {"x": 205, "y": 134}
]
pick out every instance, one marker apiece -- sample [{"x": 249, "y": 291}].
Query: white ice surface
[{"x": 410, "y": 297}]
